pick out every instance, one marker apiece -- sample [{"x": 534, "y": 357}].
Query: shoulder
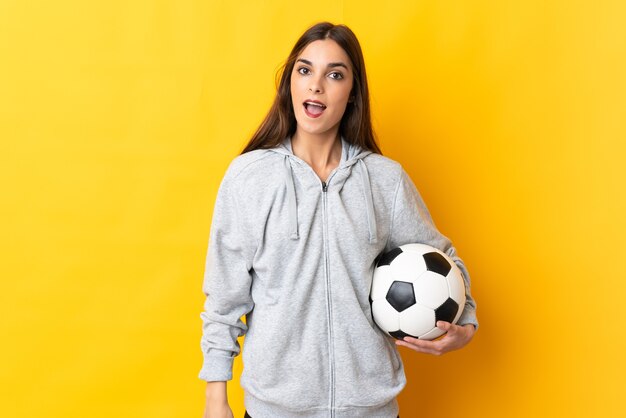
[
  {"x": 243, "y": 164},
  {"x": 383, "y": 169},
  {"x": 380, "y": 161},
  {"x": 253, "y": 164},
  {"x": 253, "y": 170}
]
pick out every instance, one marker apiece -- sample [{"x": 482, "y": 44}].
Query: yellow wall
[{"x": 117, "y": 120}]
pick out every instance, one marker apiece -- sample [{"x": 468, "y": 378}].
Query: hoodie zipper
[{"x": 331, "y": 352}]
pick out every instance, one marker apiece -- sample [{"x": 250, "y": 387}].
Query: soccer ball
[{"x": 413, "y": 287}]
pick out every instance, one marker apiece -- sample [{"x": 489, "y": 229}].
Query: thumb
[{"x": 444, "y": 325}]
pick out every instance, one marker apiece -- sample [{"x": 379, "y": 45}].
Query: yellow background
[{"x": 118, "y": 119}]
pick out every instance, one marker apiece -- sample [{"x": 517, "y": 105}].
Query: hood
[{"x": 351, "y": 155}]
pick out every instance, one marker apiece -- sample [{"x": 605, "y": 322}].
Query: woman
[{"x": 300, "y": 218}]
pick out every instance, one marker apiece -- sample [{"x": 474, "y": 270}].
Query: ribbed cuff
[{"x": 216, "y": 368}]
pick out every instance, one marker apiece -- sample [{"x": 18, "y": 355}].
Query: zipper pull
[{"x": 324, "y": 186}]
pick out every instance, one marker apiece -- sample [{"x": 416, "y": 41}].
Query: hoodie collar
[
  {"x": 350, "y": 154},
  {"x": 348, "y": 151}
]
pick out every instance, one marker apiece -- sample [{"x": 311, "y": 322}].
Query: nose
[{"x": 315, "y": 85}]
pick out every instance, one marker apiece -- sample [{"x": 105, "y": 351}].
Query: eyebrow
[{"x": 330, "y": 64}]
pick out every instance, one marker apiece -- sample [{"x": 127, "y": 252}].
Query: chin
[{"x": 313, "y": 128}]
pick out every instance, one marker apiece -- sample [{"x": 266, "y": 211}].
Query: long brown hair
[{"x": 355, "y": 125}]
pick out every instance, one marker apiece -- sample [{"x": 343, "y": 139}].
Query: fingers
[
  {"x": 436, "y": 347},
  {"x": 422, "y": 346},
  {"x": 454, "y": 338}
]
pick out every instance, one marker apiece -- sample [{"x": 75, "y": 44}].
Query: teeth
[{"x": 315, "y": 104}]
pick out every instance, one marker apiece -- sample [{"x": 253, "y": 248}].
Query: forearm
[
  {"x": 216, "y": 391},
  {"x": 217, "y": 401}
]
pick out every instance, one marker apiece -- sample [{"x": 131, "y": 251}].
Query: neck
[{"x": 321, "y": 152}]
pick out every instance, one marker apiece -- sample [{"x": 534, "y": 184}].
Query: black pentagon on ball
[
  {"x": 447, "y": 311},
  {"x": 401, "y": 295},
  {"x": 399, "y": 335},
  {"x": 437, "y": 263},
  {"x": 386, "y": 258}
]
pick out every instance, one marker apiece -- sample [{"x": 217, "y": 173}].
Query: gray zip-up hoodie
[{"x": 296, "y": 255}]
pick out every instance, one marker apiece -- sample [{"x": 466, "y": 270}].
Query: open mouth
[{"x": 313, "y": 109}]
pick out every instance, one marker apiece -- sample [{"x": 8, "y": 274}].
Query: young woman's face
[{"x": 322, "y": 73}]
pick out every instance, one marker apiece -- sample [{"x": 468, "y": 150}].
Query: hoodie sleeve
[
  {"x": 412, "y": 223},
  {"x": 227, "y": 281}
]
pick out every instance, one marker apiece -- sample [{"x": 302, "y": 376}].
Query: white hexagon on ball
[{"x": 431, "y": 289}]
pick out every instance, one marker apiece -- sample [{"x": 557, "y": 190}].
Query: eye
[
  {"x": 336, "y": 76},
  {"x": 303, "y": 70}
]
